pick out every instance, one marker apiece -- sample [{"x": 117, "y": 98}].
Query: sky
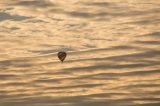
[{"x": 112, "y": 52}]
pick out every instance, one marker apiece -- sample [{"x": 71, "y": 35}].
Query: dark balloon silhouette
[{"x": 62, "y": 56}]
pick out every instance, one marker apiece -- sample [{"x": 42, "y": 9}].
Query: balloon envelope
[{"x": 62, "y": 56}]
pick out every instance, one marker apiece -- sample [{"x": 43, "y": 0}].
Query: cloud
[
  {"x": 6, "y": 16},
  {"x": 35, "y": 3}
]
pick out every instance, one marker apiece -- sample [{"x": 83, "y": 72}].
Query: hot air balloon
[{"x": 62, "y": 56}]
